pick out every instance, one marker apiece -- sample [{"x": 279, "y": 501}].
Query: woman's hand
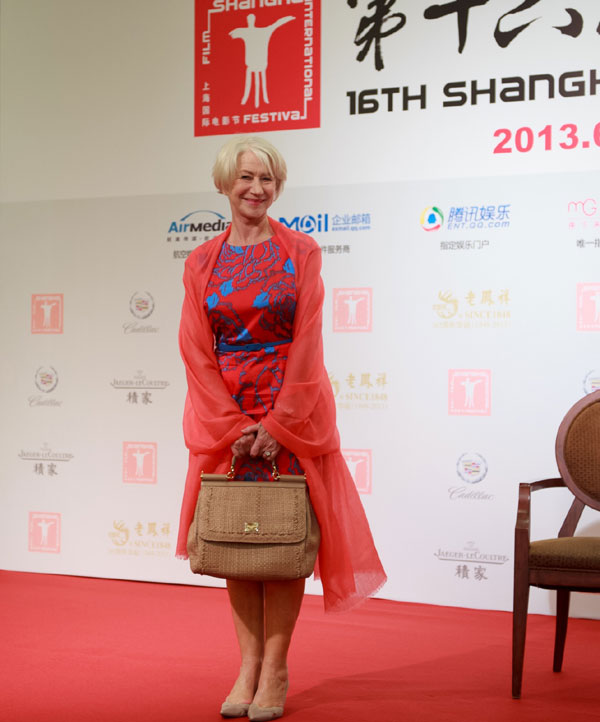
[
  {"x": 264, "y": 445},
  {"x": 242, "y": 446}
]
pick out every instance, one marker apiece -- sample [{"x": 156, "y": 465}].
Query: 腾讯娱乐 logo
[
  {"x": 258, "y": 70},
  {"x": 432, "y": 219}
]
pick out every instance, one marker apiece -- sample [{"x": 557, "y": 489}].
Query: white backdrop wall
[{"x": 463, "y": 284}]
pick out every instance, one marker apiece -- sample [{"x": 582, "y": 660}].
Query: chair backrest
[{"x": 578, "y": 449}]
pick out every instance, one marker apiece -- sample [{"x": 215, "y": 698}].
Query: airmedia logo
[
  {"x": 208, "y": 222},
  {"x": 195, "y": 227}
]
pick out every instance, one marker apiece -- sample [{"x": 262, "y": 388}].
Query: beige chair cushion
[{"x": 581, "y": 552}]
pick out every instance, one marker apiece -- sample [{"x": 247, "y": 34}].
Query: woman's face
[{"x": 253, "y": 189}]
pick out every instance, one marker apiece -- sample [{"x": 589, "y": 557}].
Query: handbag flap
[{"x": 252, "y": 512}]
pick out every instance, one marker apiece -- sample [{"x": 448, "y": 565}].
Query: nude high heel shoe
[
  {"x": 262, "y": 714},
  {"x": 256, "y": 713},
  {"x": 234, "y": 709}
]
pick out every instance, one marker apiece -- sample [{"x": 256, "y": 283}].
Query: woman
[{"x": 251, "y": 342}]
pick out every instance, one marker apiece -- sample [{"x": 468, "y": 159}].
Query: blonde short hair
[{"x": 226, "y": 164}]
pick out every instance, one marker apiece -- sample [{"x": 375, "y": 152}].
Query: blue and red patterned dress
[{"x": 250, "y": 302}]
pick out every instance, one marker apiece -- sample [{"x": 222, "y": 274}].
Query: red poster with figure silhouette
[{"x": 257, "y": 66}]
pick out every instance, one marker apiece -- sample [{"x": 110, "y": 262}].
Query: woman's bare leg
[
  {"x": 282, "y": 606},
  {"x": 247, "y": 607}
]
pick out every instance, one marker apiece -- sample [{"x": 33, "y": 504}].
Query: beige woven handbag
[{"x": 253, "y": 530}]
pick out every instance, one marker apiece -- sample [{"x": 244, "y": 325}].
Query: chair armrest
[
  {"x": 545, "y": 484},
  {"x": 524, "y": 506}
]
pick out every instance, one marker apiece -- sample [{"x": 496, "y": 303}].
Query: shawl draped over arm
[{"x": 302, "y": 419}]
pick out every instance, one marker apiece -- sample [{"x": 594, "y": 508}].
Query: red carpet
[{"x": 79, "y": 649}]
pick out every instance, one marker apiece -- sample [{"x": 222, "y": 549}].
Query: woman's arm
[
  {"x": 212, "y": 419},
  {"x": 303, "y": 416}
]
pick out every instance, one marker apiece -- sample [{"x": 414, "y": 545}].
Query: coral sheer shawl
[{"x": 302, "y": 419}]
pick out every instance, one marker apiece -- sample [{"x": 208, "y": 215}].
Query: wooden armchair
[{"x": 566, "y": 563}]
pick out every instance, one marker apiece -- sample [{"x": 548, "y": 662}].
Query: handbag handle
[{"x": 275, "y": 471}]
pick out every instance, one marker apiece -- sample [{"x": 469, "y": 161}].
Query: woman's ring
[{"x": 267, "y": 453}]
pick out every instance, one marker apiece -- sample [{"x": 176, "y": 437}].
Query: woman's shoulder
[
  {"x": 301, "y": 242},
  {"x": 201, "y": 255}
]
